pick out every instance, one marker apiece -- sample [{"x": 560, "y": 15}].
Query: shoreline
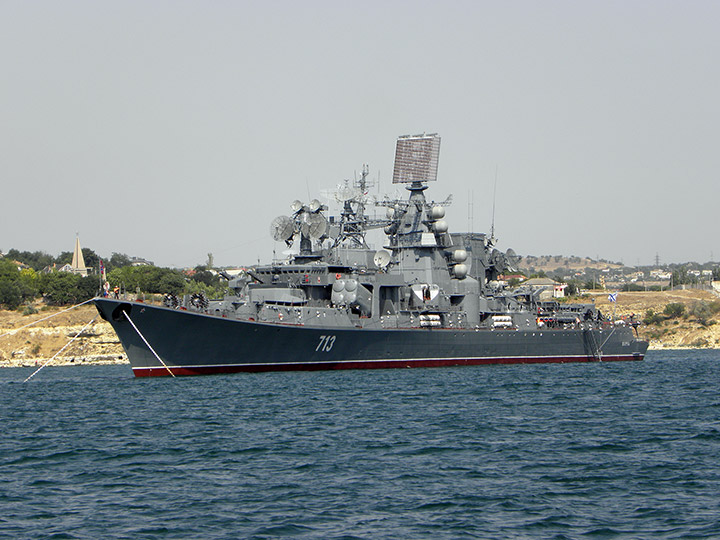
[
  {"x": 121, "y": 359},
  {"x": 69, "y": 361},
  {"x": 24, "y": 345}
]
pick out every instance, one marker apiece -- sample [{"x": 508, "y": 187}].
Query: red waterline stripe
[{"x": 378, "y": 364}]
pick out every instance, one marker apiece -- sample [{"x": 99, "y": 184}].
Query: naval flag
[{"x": 612, "y": 297}]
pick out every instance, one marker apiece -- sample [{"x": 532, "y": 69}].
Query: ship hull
[{"x": 162, "y": 341}]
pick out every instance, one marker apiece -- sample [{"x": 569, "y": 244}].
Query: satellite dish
[
  {"x": 314, "y": 205},
  {"x": 296, "y": 206},
  {"x": 513, "y": 259},
  {"x": 281, "y": 228},
  {"x": 345, "y": 192},
  {"x": 498, "y": 260},
  {"x": 316, "y": 225},
  {"x": 381, "y": 258}
]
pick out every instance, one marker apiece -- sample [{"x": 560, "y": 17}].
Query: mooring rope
[
  {"x": 146, "y": 343},
  {"x": 61, "y": 350},
  {"x": 607, "y": 338},
  {"x": 45, "y": 318}
]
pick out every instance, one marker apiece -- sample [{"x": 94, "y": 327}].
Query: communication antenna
[
  {"x": 471, "y": 210},
  {"x": 492, "y": 224},
  {"x": 282, "y": 228},
  {"x": 316, "y": 225},
  {"x": 382, "y": 259},
  {"x": 513, "y": 259},
  {"x": 416, "y": 158}
]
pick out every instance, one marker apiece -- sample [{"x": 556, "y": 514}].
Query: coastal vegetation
[
  {"x": 30, "y": 282},
  {"x": 678, "y": 319},
  {"x": 29, "y": 276},
  {"x": 670, "y": 319},
  {"x": 589, "y": 273}
]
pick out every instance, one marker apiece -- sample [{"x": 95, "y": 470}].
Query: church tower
[{"x": 78, "y": 261}]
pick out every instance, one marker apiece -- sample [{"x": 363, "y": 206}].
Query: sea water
[{"x": 602, "y": 450}]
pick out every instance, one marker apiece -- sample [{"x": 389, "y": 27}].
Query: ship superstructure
[{"x": 428, "y": 298}]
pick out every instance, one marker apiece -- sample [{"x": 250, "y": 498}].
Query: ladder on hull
[{"x": 592, "y": 345}]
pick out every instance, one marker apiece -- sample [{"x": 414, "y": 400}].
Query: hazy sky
[{"x": 168, "y": 130}]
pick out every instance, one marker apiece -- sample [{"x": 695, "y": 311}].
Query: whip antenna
[{"x": 492, "y": 224}]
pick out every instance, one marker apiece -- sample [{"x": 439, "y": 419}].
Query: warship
[{"x": 428, "y": 298}]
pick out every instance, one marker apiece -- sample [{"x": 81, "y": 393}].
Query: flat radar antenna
[{"x": 416, "y": 158}]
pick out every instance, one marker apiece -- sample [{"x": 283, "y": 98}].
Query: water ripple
[{"x": 558, "y": 452}]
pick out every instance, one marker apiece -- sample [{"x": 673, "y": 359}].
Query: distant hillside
[
  {"x": 531, "y": 264},
  {"x": 693, "y": 323}
]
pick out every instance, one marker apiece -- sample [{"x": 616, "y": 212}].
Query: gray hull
[{"x": 189, "y": 343}]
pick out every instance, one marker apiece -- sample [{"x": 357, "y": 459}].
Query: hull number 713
[{"x": 326, "y": 343}]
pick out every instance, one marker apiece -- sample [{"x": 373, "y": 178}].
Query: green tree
[
  {"x": 16, "y": 286},
  {"x": 150, "y": 279},
  {"x": 652, "y": 318},
  {"x": 62, "y": 288},
  {"x": 674, "y": 310},
  {"x": 192, "y": 287},
  {"x": 92, "y": 260},
  {"x": 632, "y": 287},
  {"x": 205, "y": 276},
  {"x": 573, "y": 287},
  {"x": 117, "y": 260},
  {"x": 64, "y": 258},
  {"x": 37, "y": 260},
  {"x": 171, "y": 282},
  {"x": 682, "y": 277},
  {"x": 701, "y": 311},
  {"x": 124, "y": 277},
  {"x": 10, "y": 297}
]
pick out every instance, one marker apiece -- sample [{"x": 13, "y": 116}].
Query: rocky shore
[
  {"x": 98, "y": 344},
  {"x": 696, "y": 328},
  {"x": 35, "y": 345}
]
